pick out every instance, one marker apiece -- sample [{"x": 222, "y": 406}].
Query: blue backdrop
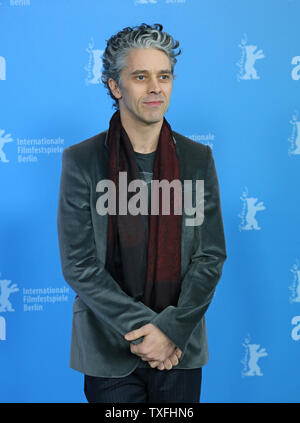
[{"x": 237, "y": 90}]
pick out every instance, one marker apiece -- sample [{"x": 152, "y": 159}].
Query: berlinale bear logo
[
  {"x": 3, "y": 140},
  {"x": 6, "y": 290}
]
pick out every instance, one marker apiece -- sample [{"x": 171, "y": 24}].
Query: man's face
[{"x": 146, "y": 86}]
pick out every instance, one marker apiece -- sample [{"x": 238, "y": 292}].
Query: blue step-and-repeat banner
[{"x": 238, "y": 91}]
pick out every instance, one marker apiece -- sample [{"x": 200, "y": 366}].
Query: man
[{"x": 143, "y": 281}]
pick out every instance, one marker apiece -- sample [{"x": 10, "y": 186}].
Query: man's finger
[
  {"x": 174, "y": 359},
  {"x": 168, "y": 364},
  {"x": 178, "y": 352},
  {"x": 135, "y": 334},
  {"x": 161, "y": 366},
  {"x": 153, "y": 364}
]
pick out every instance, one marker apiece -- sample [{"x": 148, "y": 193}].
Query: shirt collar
[{"x": 106, "y": 139}]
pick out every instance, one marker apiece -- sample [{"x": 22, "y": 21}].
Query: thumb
[{"x": 135, "y": 334}]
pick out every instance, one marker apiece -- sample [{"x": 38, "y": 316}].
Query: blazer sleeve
[
  {"x": 205, "y": 269},
  {"x": 81, "y": 268}
]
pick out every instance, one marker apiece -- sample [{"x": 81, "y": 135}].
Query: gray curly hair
[{"x": 119, "y": 45}]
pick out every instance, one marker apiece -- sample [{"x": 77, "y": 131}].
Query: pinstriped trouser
[{"x": 145, "y": 385}]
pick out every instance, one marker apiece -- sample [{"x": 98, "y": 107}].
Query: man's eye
[{"x": 143, "y": 76}]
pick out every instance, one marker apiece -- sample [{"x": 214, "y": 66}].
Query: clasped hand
[{"x": 156, "y": 347}]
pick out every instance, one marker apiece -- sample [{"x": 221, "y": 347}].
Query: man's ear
[{"x": 114, "y": 88}]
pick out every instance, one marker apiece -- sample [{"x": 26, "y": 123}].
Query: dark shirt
[{"x": 145, "y": 164}]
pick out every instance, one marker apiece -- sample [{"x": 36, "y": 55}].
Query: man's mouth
[{"x": 153, "y": 103}]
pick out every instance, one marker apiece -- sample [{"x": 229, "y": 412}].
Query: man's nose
[{"x": 154, "y": 86}]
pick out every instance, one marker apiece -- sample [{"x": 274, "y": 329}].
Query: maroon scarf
[{"x": 151, "y": 275}]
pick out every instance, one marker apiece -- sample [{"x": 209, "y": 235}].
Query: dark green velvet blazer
[{"x": 102, "y": 312}]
